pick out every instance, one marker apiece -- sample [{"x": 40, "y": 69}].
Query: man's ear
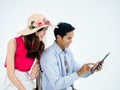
[{"x": 58, "y": 37}]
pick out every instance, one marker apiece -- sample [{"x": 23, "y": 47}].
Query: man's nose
[{"x": 71, "y": 41}]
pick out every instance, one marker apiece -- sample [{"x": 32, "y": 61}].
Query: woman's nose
[{"x": 44, "y": 32}]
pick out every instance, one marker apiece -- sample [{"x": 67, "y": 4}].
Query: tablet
[{"x": 100, "y": 63}]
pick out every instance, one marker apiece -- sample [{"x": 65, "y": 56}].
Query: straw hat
[{"x": 34, "y": 23}]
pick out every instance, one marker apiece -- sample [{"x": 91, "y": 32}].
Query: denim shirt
[{"x": 54, "y": 75}]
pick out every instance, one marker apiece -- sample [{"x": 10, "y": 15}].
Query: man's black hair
[{"x": 63, "y": 28}]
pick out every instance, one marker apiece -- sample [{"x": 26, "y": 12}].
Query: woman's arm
[{"x": 11, "y": 48}]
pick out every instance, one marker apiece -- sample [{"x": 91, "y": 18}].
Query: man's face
[{"x": 66, "y": 40}]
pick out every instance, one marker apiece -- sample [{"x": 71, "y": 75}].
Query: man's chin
[{"x": 67, "y": 46}]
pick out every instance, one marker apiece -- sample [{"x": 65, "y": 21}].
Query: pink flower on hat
[
  {"x": 38, "y": 24},
  {"x": 46, "y": 21}
]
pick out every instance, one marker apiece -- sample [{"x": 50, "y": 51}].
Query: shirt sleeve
[
  {"x": 50, "y": 67},
  {"x": 84, "y": 75}
]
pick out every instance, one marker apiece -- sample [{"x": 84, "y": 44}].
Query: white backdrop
[{"x": 97, "y": 32}]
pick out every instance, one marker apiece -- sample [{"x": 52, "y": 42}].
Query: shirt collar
[{"x": 57, "y": 48}]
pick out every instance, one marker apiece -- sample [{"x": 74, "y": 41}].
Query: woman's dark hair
[
  {"x": 63, "y": 28},
  {"x": 33, "y": 45}
]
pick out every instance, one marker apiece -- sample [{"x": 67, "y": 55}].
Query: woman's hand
[{"x": 35, "y": 71}]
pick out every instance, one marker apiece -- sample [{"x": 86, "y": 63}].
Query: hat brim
[{"x": 28, "y": 31}]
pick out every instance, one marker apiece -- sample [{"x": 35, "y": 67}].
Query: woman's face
[{"x": 41, "y": 33}]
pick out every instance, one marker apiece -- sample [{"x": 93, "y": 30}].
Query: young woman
[{"x": 22, "y": 51}]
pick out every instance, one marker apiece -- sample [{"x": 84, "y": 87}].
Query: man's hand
[
  {"x": 35, "y": 71},
  {"x": 96, "y": 67},
  {"x": 84, "y": 68}
]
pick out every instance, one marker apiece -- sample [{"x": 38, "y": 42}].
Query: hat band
[{"x": 36, "y": 24}]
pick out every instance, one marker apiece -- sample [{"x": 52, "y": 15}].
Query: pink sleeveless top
[{"x": 22, "y": 63}]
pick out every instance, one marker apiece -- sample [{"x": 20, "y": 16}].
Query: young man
[{"x": 59, "y": 69}]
